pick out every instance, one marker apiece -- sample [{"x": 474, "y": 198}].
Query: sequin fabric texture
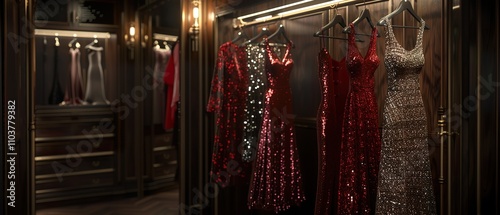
[
  {"x": 360, "y": 149},
  {"x": 227, "y": 99},
  {"x": 405, "y": 185},
  {"x": 334, "y": 82},
  {"x": 255, "y": 100},
  {"x": 276, "y": 182}
]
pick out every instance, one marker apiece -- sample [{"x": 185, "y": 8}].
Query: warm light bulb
[
  {"x": 132, "y": 31},
  {"x": 196, "y": 12}
]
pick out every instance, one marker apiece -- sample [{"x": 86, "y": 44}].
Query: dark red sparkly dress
[
  {"x": 276, "y": 182},
  {"x": 228, "y": 100},
  {"x": 334, "y": 82},
  {"x": 360, "y": 149}
]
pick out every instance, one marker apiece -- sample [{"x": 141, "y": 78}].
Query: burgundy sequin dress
[
  {"x": 227, "y": 100},
  {"x": 276, "y": 182},
  {"x": 334, "y": 82},
  {"x": 360, "y": 149}
]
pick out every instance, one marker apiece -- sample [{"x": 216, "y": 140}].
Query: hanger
[
  {"x": 404, "y": 5},
  {"x": 165, "y": 45},
  {"x": 241, "y": 36},
  {"x": 70, "y": 44},
  {"x": 264, "y": 32},
  {"x": 156, "y": 45},
  {"x": 338, "y": 19},
  {"x": 57, "y": 42},
  {"x": 280, "y": 31},
  {"x": 365, "y": 14}
]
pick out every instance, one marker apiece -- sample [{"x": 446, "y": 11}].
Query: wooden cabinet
[
  {"x": 77, "y": 13},
  {"x": 76, "y": 152}
]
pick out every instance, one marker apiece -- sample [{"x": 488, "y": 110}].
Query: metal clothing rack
[
  {"x": 66, "y": 33},
  {"x": 299, "y": 11},
  {"x": 165, "y": 37}
]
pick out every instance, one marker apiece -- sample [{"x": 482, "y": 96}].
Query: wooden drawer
[
  {"x": 82, "y": 129},
  {"x": 163, "y": 140},
  {"x": 73, "y": 146},
  {"x": 165, "y": 156},
  {"x": 45, "y": 168},
  {"x": 164, "y": 171},
  {"x": 76, "y": 181}
]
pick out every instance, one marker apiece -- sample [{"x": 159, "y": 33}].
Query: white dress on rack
[{"x": 95, "y": 93}]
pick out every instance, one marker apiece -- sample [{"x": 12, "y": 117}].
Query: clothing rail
[
  {"x": 165, "y": 37},
  {"x": 79, "y": 34},
  {"x": 304, "y": 10}
]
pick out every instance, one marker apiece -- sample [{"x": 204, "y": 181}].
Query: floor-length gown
[
  {"x": 95, "y": 93},
  {"x": 56, "y": 95},
  {"x": 74, "y": 91},
  {"x": 334, "y": 82},
  {"x": 161, "y": 60},
  {"x": 255, "y": 101},
  {"x": 227, "y": 99},
  {"x": 360, "y": 149},
  {"x": 276, "y": 182},
  {"x": 405, "y": 183}
]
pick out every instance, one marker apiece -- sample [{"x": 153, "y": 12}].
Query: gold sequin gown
[{"x": 405, "y": 180}]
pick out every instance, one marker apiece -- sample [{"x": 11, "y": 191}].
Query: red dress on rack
[
  {"x": 276, "y": 182},
  {"x": 228, "y": 101},
  {"x": 334, "y": 82},
  {"x": 360, "y": 149}
]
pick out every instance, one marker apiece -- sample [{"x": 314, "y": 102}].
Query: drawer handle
[
  {"x": 96, "y": 144},
  {"x": 96, "y": 163},
  {"x": 96, "y": 181},
  {"x": 166, "y": 156}
]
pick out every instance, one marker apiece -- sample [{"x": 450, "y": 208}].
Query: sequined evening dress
[
  {"x": 227, "y": 100},
  {"x": 360, "y": 149},
  {"x": 255, "y": 100},
  {"x": 334, "y": 82},
  {"x": 405, "y": 183},
  {"x": 276, "y": 182}
]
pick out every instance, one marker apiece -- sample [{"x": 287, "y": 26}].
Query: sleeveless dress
[
  {"x": 227, "y": 100},
  {"x": 334, "y": 82},
  {"x": 95, "y": 93},
  {"x": 405, "y": 183},
  {"x": 360, "y": 149},
  {"x": 74, "y": 92},
  {"x": 276, "y": 182}
]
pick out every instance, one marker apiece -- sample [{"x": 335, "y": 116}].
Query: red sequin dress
[
  {"x": 334, "y": 82},
  {"x": 360, "y": 149},
  {"x": 276, "y": 182},
  {"x": 228, "y": 100}
]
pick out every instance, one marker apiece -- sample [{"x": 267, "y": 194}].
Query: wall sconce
[
  {"x": 130, "y": 38},
  {"x": 194, "y": 31}
]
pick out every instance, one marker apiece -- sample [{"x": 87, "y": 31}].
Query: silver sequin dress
[
  {"x": 405, "y": 180},
  {"x": 255, "y": 100}
]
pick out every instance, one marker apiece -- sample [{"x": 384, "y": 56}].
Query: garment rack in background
[
  {"x": 79, "y": 34},
  {"x": 299, "y": 11},
  {"x": 165, "y": 37}
]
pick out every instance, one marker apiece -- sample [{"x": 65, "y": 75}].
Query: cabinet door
[
  {"x": 57, "y": 11},
  {"x": 96, "y": 12}
]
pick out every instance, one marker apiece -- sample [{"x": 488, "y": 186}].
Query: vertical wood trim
[
  {"x": 478, "y": 114},
  {"x": 497, "y": 13},
  {"x": 30, "y": 101}
]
